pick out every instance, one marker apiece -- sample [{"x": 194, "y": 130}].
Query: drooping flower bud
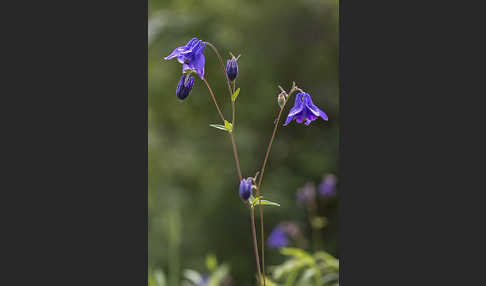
[
  {"x": 281, "y": 100},
  {"x": 232, "y": 68},
  {"x": 184, "y": 87},
  {"x": 245, "y": 189}
]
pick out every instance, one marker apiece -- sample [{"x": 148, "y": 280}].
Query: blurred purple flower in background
[
  {"x": 278, "y": 238},
  {"x": 190, "y": 56},
  {"x": 204, "y": 281},
  {"x": 306, "y": 194},
  {"x": 304, "y": 109},
  {"x": 291, "y": 228},
  {"x": 327, "y": 188}
]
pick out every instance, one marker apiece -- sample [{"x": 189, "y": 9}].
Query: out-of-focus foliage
[
  {"x": 194, "y": 205},
  {"x": 303, "y": 269},
  {"x": 217, "y": 275}
]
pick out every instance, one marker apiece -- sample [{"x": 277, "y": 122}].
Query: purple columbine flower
[
  {"x": 184, "y": 87},
  {"x": 232, "y": 68},
  {"x": 278, "y": 238},
  {"x": 245, "y": 188},
  {"x": 190, "y": 56},
  {"x": 328, "y": 186},
  {"x": 304, "y": 109},
  {"x": 306, "y": 194}
]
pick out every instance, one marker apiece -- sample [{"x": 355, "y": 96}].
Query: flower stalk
[{"x": 193, "y": 61}]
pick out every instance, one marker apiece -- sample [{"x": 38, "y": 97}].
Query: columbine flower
[
  {"x": 328, "y": 186},
  {"x": 245, "y": 189},
  {"x": 190, "y": 56},
  {"x": 278, "y": 238},
  {"x": 184, "y": 87},
  {"x": 306, "y": 194},
  {"x": 232, "y": 68},
  {"x": 304, "y": 109}
]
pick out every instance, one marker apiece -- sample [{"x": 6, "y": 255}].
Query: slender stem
[
  {"x": 272, "y": 138},
  {"x": 222, "y": 65},
  {"x": 263, "y": 244},
  {"x": 268, "y": 149},
  {"x": 235, "y": 152},
  {"x": 258, "y": 193},
  {"x": 260, "y": 182},
  {"x": 255, "y": 245},
  {"x": 214, "y": 99}
]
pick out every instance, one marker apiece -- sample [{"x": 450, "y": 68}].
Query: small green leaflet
[
  {"x": 228, "y": 126},
  {"x": 258, "y": 201},
  {"x": 233, "y": 97},
  {"x": 218, "y": 126}
]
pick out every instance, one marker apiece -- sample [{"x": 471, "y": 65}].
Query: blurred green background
[{"x": 193, "y": 187}]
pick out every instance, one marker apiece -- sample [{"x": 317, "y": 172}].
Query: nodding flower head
[
  {"x": 245, "y": 189},
  {"x": 328, "y": 186},
  {"x": 184, "y": 87},
  {"x": 278, "y": 238},
  {"x": 232, "y": 68},
  {"x": 190, "y": 56},
  {"x": 304, "y": 109}
]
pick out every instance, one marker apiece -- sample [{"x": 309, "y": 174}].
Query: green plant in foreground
[{"x": 303, "y": 269}]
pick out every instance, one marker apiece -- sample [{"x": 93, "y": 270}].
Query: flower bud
[
  {"x": 232, "y": 68},
  {"x": 245, "y": 189},
  {"x": 184, "y": 87},
  {"x": 281, "y": 100}
]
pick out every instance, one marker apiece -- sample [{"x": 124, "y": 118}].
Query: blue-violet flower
[
  {"x": 190, "y": 56},
  {"x": 278, "y": 238},
  {"x": 304, "y": 109},
  {"x": 245, "y": 188},
  {"x": 232, "y": 68},
  {"x": 184, "y": 87}
]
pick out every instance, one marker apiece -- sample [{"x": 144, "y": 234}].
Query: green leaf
[
  {"x": 235, "y": 95},
  {"x": 218, "y": 275},
  {"x": 159, "y": 278},
  {"x": 211, "y": 262},
  {"x": 228, "y": 126},
  {"x": 299, "y": 254},
  {"x": 218, "y": 126},
  {"x": 258, "y": 201},
  {"x": 193, "y": 276}
]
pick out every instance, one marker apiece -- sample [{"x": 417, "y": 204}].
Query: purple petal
[
  {"x": 198, "y": 64},
  {"x": 323, "y": 115},
  {"x": 314, "y": 109},
  {"x": 186, "y": 67},
  {"x": 289, "y": 119},
  {"x": 177, "y": 52},
  {"x": 191, "y": 43},
  {"x": 199, "y": 48},
  {"x": 298, "y": 106}
]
